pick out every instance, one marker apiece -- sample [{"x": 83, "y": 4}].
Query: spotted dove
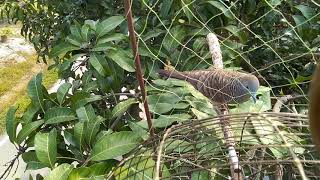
[{"x": 219, "y": 85}]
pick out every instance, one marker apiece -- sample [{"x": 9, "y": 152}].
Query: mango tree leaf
[
  {"x": 86, "y": 113},
  {"x": 108, "y": 25},
  {"x": 60, "y": 50},
  {"x": 28, "y": 129},
  {"x": 61, "y": 172},
  {"x": 112, "y": 37},
  {"x": 165, "y": 8},
  {"x": 122, "y": 107},
  {"x": 201, "y": 175},
  {"x": 11, "y": 124},
  {"x": 102, "y": 47},
  {"x": 165, "y": 120},
  {"x": 79, "y": 173},
  {"x": 80, "y": 99},
  {"x": 222, "y": 8},
  {"x": 114, "y": 145},
  {"x": 99, "y": 63},
  {"x": 30, "y": 113},
  {"x": 74, "y": 40},
  {"x": 45, "y": 145},
  {"x": 93, "y": 128},
  {"x": 62, "y": 92},
  {"x": 176, "y": 36},
  {"x": 122, "y": 59},
  {"x": 79, "y": 134},
  {"x": 35, "y": 90},
  {"x": 307, "y": 11},
  {"x": 57, "y": 115}
]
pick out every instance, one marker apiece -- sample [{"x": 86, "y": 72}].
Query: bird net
[{"x": 276, "y": 41}]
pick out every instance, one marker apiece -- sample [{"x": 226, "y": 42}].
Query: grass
[
  {"x": 10, "y": 75},
  {"x": 21, "y": 100}
]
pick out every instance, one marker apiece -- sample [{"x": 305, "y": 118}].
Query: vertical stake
[{"x": 127, "y": 5}]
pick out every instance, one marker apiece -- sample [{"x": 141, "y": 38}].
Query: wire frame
[{"x": 267, "y": 145}]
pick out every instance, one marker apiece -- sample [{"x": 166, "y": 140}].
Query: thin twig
[{"x": 127, "y": 5}]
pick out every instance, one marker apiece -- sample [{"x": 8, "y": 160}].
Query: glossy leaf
[
  {"x": 61, "y": 172},
  {"x": 62, "y": 49},
  {"x": 11, "y": 124},
  {"x": 27, "y": 130},
  {"x": 45, "y": 145},
  {"x": 108, "y": 25},
  {"x": 59, "y": 114},
  {"x": 122, "y": 59},
  {"x": 113, "y": 37},
  {"x": 122, "y": 107},
  {"x": 30, "y": 113},
  {"x": 114, "y": 145},
  {"x": 80, "y": 99},
  {"x": 92, "y": 129},
  {"x": 102, "y": 47},
  {"x": 99, "y": 62},
  {"x": 62, "y": 92},
  {"x": 35, "y": 90},
  {"x": 86, "y": 113},
  {"x": 79, "y": 134},
  {"x": 222, "y": 8}
]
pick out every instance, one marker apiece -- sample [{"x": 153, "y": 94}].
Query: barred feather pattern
[{"x": 219, "y": 85}]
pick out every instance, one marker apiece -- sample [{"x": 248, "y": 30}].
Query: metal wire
[{"x": 268, "y": 145}]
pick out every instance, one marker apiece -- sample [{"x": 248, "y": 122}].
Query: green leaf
[
  {"x": 79, "y": 134},
  {"x": 93, "y": 128},
  {"x": 222, "y": 8},
  {"x": 35, "y": 90},
  {"x": 45, "y": 145},
  {"x": 57, "y": 115},
  {"x": 80, "y": 99},
  {"x": 187, "y": 9},
  {"x": 165, "y": 8},
  {"x": 152, "y": 34},
  {"x": 99, "y": 63},
  {"x": 76, "y": 31},
  {"x": 108, "y": 25},
  {"x": 85, "y": 32},
  {"x": 175, "y": 38},
  {"x": 121, "y": 58},
  {"x": 114, "y": 145},
  {"x": 28, "y": 129},
  {"x": 102, "y": 47},
  {"x": 122, "y": 107},
  {"x": 201, "y": 175},
  {"x": 35, "y": 165},
  {"x": 86, "y": 113},
  {"x": 60, "y": 173},
  {"x": 11, "y": 124},
  {"x": 60, "y": 50},
  {"x": 79, "y": 173},
  {"x": 161, "y": 108},
  {"x": 307, "y": 11},
  {"x": 74, "y": 41},
  {"x": 165, "y": 120},
  {"x": 30, "y": 113},
  {"x": 62, "y": 92},
  {"x": 198, "y": 44},
  {"x": 237, "y": 32},
  {"x": 112, "y": 37}
]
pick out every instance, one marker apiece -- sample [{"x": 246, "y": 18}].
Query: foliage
[{"x": 88, "y": 120}]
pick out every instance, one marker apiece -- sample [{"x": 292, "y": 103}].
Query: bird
[
  {"x": 314, "y": 108},
  {"x": 219, "y": 85}
]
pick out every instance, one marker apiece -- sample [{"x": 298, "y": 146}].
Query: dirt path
[{"x": 10, "y": 96}]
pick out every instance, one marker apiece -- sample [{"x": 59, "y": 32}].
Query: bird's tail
[{"x": 172, "y": 74}]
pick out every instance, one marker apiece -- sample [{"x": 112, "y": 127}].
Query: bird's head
[{"x": 251, "y": 85}]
